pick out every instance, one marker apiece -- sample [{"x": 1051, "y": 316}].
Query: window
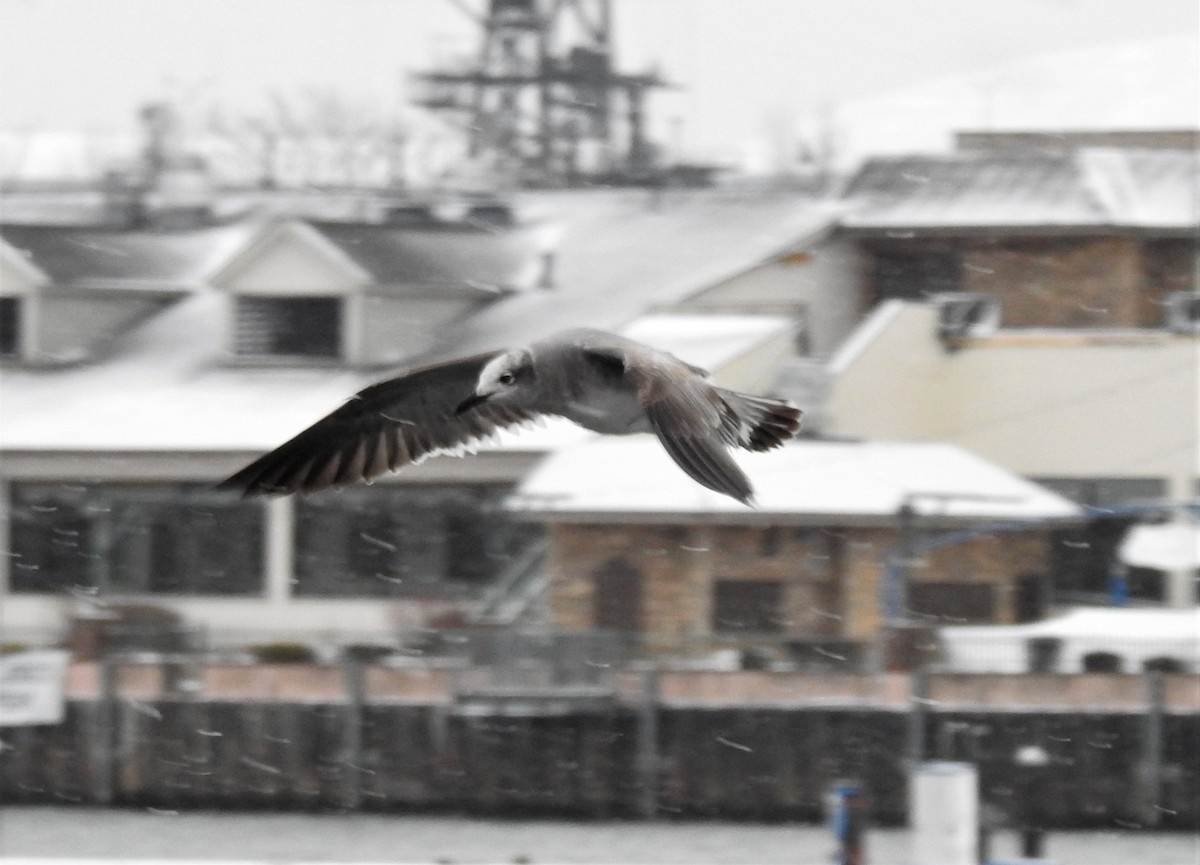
[
  {"x": 954, "y": 603},
  {"x": 1031, "y": 598},
  {"x": 1082, "y": 557},
  {"x": 398, "y": 541},
  {"x": 748, "y": 605},
  {"x": 617, "y": 597},
  {"x": 176, "y": 539},
  {"x": 296, "y": 327},
  {"x": 915, "y": 276},
  {"x": 10, "y": 326}
]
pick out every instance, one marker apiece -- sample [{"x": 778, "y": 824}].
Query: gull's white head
[{"x": 508, "y": 377}]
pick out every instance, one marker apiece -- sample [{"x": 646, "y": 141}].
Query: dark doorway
[
  {"x": 617, "y": 596},
  {"x": 1031, "y": 598}
]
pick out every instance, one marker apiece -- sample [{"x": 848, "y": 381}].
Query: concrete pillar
[
  {"x": 1150, "y": 774},
  {"x": 647, "y": 745},
  {"x": 1183, "y": 485},
  {"x": 1181, "y": 584},
  {"x": 279, "y": 548},
  {"x": 5, "y": 539}
]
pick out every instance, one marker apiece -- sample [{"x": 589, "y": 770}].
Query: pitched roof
[
  {"x": 500, "y": 259},
  {"x": 620, "y": 255},
  {"x": 158, "y": 260},
  {"x": 170, "y": 363},
  {"x": 814, "y": 482},
  {"x": 623, "y": 252},
  {"x": 1089, "y": 188}
]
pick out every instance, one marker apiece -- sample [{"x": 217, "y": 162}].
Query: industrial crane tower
[{"x": 542, "y": 101}]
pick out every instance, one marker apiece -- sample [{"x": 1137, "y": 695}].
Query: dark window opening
[
  {"x": 10, "y": 326},
  {"x": 753, "y": 606},
  {"x": 1082, "y": 557},
  {"x": 772, "y": 542},
  {"x": 915, "y": 276},
  {"x": 1145, "y": 584},
  {"x": 403, "y": 541},
  {"x": 178, "y": 539},
  {"x": 288, "y": 327},
  {"x": 1031, "y": 600},
  {"x": 617, "y": 597},
  {"x": 953, "y": 603}
]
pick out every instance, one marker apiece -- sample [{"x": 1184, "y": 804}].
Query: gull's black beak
[{"x": 469, "y": 403}]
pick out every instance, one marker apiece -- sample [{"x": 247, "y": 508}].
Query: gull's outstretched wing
[
  {"x": 688, "y": 421},
  {"x": 382, "y": 428}
]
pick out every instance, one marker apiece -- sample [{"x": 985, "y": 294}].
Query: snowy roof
[
  {"x": 168, "y": 390},
  {"x": 707, "y": 340},
  {"x": 623, "y": 252},
  {"x": 1097, "y": 188},
  {"x": 78, "y": 256},
  {"x": 814, "y": 482},
  {"x": 168, "y": 384},
  {"x": 455, "y": 255}
]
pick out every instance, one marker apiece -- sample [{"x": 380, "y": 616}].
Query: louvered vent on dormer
[
  {"x": 288, "y": 327},
  {"x": 10, "y": 326}
]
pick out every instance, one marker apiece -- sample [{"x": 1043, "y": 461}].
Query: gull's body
[{"x": 601, "y": 381}]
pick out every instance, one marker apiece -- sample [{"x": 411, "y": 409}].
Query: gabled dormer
[
  {"x": 20, "y": 281},
  {"x": 72, "y": 293},
  {"x": 366, "y": 293},
  {"x": 289, "y": 290}
]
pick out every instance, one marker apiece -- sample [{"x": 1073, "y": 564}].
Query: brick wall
[
  {"x": 1078, "y": 282},
  {"x": 1060, "y": 283},
  {"x": 831, "y": 577},
  {"x": 995, "y": 559}
]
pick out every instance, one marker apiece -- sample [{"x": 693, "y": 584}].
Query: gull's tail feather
[{"x": 758, "y": 423}]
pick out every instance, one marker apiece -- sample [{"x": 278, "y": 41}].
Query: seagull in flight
[{"x": 603, "y": 382}]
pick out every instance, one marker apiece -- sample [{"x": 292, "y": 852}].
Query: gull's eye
[{"x": 507, "y": 378}]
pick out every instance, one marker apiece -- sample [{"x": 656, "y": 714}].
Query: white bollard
[{"x": 944, "y": 814}]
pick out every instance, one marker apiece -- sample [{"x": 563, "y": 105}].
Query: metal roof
[
  {"x": 168, "y": 384},
  {"x": 97, "y": 257},
  {"x": 623, "y": 252},
  {"x": 482, "y": 257},
  {"x": 1088, "y": 188}
]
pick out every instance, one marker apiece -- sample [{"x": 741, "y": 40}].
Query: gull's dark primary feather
[{"x": 382, "y": 428}]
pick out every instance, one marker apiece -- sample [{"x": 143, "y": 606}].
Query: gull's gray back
[{"x": 582, "y": 379}]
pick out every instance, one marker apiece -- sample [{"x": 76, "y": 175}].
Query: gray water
[{"x": 99, "y": 833}]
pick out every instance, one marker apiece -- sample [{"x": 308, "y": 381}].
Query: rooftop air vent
[
  {"x": 963, "y": 314},
  {"x": 1183, "y": 312}
]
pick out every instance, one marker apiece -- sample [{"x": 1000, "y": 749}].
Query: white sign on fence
[{"x": 31, "y": 687}]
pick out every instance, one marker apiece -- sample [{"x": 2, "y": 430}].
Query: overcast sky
[{"x": 87, "y": 64}]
